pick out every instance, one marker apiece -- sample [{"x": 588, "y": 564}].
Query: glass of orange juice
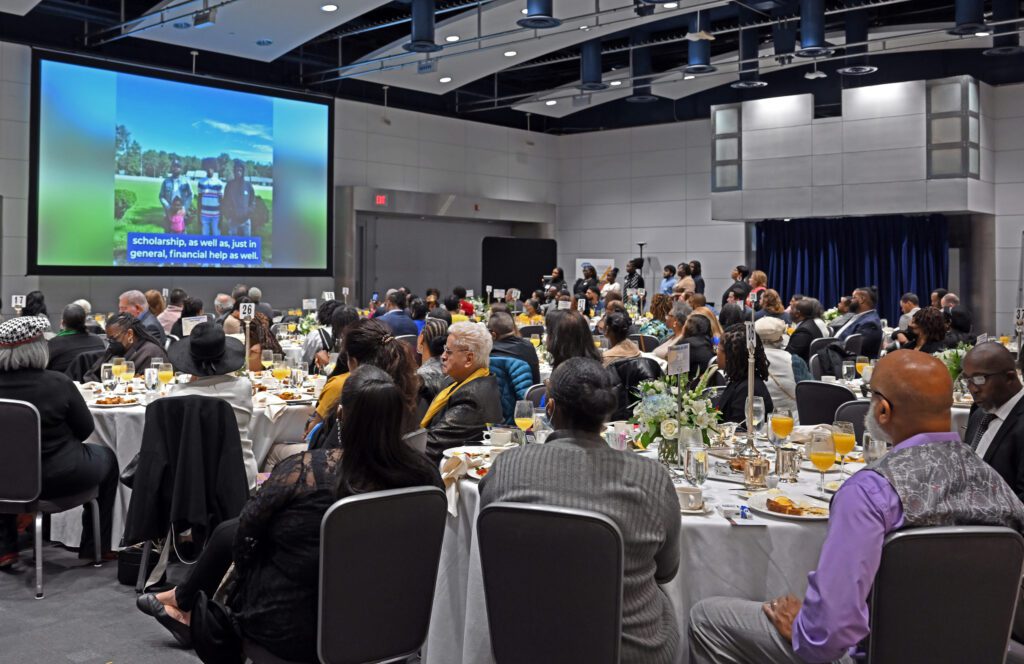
[
  {"x": 822, "y": 453},
  {"x": 862, "y": 361},
  {"x": 1005, "y": 340},
  {"x": 782, "y": 425},
  {"x": 535, "y": 340},
  {"x": 523, "y": 416},
  {"x": 844, "y": 439}
]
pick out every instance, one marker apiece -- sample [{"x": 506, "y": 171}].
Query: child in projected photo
[
  {"x": 211, "y": 194},
  {"x": 177, "y": 216}
]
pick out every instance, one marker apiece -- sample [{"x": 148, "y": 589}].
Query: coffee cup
[
  {"x": 498, "y": 436},
  {"x": 828, "y": 379},
  {"x": 690, "y": 498}
]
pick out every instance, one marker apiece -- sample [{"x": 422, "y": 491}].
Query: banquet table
[
  {"x": 716, "y": 559},
  {"x": 120, "y": 429}
]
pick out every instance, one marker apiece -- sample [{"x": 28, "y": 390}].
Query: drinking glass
[
  {"x": 866, "y": 373},
  {"x": 107, "y": 377},
  {"x": 166, "y": 373},
  {"x": 782, "y": 425},
  {"x": 849, "y": 370},
  {"x": 267, "y": 360},
  {"x": 756, "y": 414},
  {"x": 523, "y": 417},
  {"x": 535, "y": 340},
  {"x": 822, "y": 453},
  {"x": 861, "y": 363},
  {"x": 1004, "y": 339},
  {"x": 127, "y": 373},
  {"x": 152, "y": 377},
  {"x": 844, "y": 439},
  {"x": 694, "y": 457},
  {"x": 280, "y": 370},
  {"x": 874, "y": 449},
  {"x": 118, "y": 367}
]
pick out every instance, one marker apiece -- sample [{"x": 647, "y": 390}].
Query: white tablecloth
[
  {"x": 120, "y": 429},
  {"x": 717, "y": 559}
]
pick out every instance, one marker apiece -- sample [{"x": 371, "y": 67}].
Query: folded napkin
[
  {"x": 802, "y": 434},
  {"x": 454, "y": 469},
  {"x": 273, "y": 405}
]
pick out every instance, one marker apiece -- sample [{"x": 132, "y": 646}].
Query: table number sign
[
  {"x": 309, "y": 304},
  {"x": 344, "y": 291},
  {"x": 469, "y": 293},
  {"x": 678, "y": 358},
  {"x": 489, "y": 288},
  {"x": 1018, "y": 317},
  {"x": 751, "y": 337},
  {"x": 17, "y": 301},
  {"x": 166, "y": 293},
  {"x": 581, "y": 305},
  {"x": 516, "y": 293},
  {"x": 328, "y": 295},
  {"x": 564, "y": 304},
  {"x": 499, "y": 293},
  {"x": 246, "y": 311},
  {"x": 982, "y": 338}
]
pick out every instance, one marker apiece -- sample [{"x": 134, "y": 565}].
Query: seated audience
[
  {"x": 594, "y": 305},
  {"x": 995, "y": 430},
  {"x": 865, "y": 321},
  {"x": 730, "y": 315},
  {"x": 275, "y": 542},
  {"x": 91, "y": 324},
  {"x": 222, "y": 305},
  {"x": 739, "y": 289},
  {"x": 927, "y": 332},
  {"x": 261, "y": 338},
  {"x": 616, "y": 328},
  {"x": 135, "y": 303},
  {"x": 785, "y": 370},
  {"x": 697, "y": 333},
  {"x": 155, "y": 299},
  {"x": 677, "y": 318},
  {"x": 440, "y": 313},
  {"x": 460, "y": 412},
  {"x": 169, "y": 316},
  {"x": 72, "y": 340},
  {"x": 771, "y": 306},
  {"x": 508, "y": 343},
  {"x": 35, "y": 304},
  {"x": 319, "y": 339},
  {"x": 928, "y": 479},
  {"x": 948, "y": 301},
  {"x": 127, "y": 337},
  {"x": 788, "y": 314},
  {"x": 453, "y": 306},
  {"x": 568, "y": 335},
  {"x": 806, "y": 315},
  {"x": 430, "y": 345},
  {"x": 212, "y": 358},
  {"x": 909, "y": 305},
  {"x": 706, "y": 312},
  {"x": 732, "y": 358},
  {"x": 418, "y": 313},
  {"x": 395, "y": 317},
  {"x": 68, "y": 467},
  {"x": 464, "y": 305},
  {"x": 256, "y": 295},
  {"x": 190, "y": 308},
  {"x": 658, "y": 324},
  {"x": 844, "y": 317},
  {"x": 634, "y": 492},
  {"x": 531, "y": 313},
  {"x": 936, "y": 297},
  {"x": 960, "y": 328}
]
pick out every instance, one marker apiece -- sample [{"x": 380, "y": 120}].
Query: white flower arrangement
[
  {"x": 667, "y": 404},
  {"x": 830, "y": 314},
  {"x": 953, "y": 358}
]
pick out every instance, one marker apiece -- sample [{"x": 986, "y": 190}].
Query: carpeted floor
[{"x": 87, "y": 617}]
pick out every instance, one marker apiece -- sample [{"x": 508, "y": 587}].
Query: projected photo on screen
[{"x": 138, "y": 172}]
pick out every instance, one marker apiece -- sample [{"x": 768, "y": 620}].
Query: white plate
[
  {"x": 479, "y": 472},
  {"x": 708, "y": 508},
  {"x": 472, "y": 450},
  {"x": 758, "y": 503},
  {"x": 851, "y": 467}
]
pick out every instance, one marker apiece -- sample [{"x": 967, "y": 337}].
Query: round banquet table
[
  {"x": 716, "y": 559},
  {"x": 120, "y": 429}
]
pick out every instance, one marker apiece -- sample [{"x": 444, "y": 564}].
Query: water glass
[
  {"x": 695, "y": 464},
  {"x": 152, "y": 378},
  {"x": 107, "y": 377},
  {"x": 849, "y": 370},
  {"x": 874, "y": 449},
  {"x": 755, "y": 411}
]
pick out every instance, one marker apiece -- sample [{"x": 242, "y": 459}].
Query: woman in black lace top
[{"x": 275, "y": 543}]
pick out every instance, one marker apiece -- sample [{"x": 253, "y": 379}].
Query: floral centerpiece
[
  {"x": 665, "y": 405},
  {"x": 307, "y": 323},
  {"x": 830, "y": 315},
  {"x": 953, "y": 358}
]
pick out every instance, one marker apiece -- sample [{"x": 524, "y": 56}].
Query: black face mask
[{"x": 116, "y": 348}]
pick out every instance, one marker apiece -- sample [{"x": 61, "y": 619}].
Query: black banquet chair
[
  {"x": 527, "y": 331},
  {"x": 854, "y": 411},
  {"x": 923, "y": 573},
  {"x": 21, "y": 479},
  {"x": 539, "y": 609},
  {"x": 817, "y": 402},
  {"x": 536, "y": 394},
  {"x": 853, "y": 344},
  {"x": 646, "y": 342}
]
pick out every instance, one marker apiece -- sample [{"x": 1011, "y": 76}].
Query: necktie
[{"x": 982, "y": 428}]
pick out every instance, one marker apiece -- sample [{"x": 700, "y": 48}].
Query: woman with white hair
[
  {"x": 460, "y": 412},
  {"x": 784, "y": 369},
  {"x": 68, "y": 466}
]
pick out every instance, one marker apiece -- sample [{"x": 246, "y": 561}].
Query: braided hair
[
  {"x": 735, "y": 345},
  {"x": 371, "y": 342},
  {"x": 583, "y": 393},
  {"x": 125, "y": 321}
]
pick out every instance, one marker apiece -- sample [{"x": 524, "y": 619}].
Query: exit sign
[{"x": 380, "y": 200}]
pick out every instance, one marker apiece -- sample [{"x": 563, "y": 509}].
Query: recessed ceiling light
[
  {"x": 551, "y": 102},
  {"x": 584, "y": 27},
  {"x": 183, "y": 25},
  {"x": 445, "y": 79},
  {"x": 689, "y": 77},
  {"x": 264, "y": 42},
  {"x": 329, "y": 8},
  {"x": 670, "y": 5},
  {"x": 511, "y": 54},
  {"x": 451, "y": 39},
  {"x": 616, "y": 83},
  {"x": 982, "y": 33},
  {"x": 524, "y": 11}
]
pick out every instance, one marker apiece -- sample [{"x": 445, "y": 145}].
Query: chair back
[
  {"x": 21, "y": 470},
  {"x": 818, "y": 344},
  {"x": 409, "y": 340},
  {"x": 527, "y": 331},
  {"x": 279, "y": 329},
  {"x": 815, "y": 366},
  {"x": 82, "y": 363},
  {"x": 816, "y": 402},
  {"x": 926, "y": 572},
  {"x": 854, "y": 411},
  {"x": 853, "y": 344},
  {"x": 646, "y": 342},
  {"x": 540, "y": 609},
  {"x": 417, "y": 440},
  {"x": 536, "y": 393},
  {"x": 393, "y": 538}
]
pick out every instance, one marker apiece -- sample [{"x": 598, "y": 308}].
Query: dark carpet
[{"x": 86, "y": 617}]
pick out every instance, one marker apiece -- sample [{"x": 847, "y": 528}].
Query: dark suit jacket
[
  {"x": 1006, "y": 453},
  {"x": 800, "y": 341},
  {"x": 732, "y": 402},
  {"x": 741, "y": 288},
  {"x": 463, "y": 420},
  {"x": 870, "y": 327},
  {"x": 399, "y": 322}
]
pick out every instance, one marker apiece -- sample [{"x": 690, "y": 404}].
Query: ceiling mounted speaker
[
  {"x": 970, "y": 17},
  {"x": 641, "y": 95},
  {"x": 540, "y": 15},
  {"x": 1006, "y": 40},
  {"x": 812, "y": 30},
  {"x": 856, "y": 55},
  {"x": 422, "y": 38}
]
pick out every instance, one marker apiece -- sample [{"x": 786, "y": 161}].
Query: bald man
[
  {"x": 995, "y": 430},
  {"x": 929, "y": 478}
]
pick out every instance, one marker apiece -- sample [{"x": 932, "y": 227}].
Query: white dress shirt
[{"x": 1001, "y": 414}]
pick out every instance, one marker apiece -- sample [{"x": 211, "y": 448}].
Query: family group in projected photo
[{"x": 223, "y": 208}]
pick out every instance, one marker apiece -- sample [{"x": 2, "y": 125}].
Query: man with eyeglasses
[
  {"x": 929, "y": 478},
  {"x": 995, "y": 430}
]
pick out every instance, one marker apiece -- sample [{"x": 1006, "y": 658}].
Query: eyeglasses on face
[{"x": 979, "y": 379}]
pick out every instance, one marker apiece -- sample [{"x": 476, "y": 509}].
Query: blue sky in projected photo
[{"x": 194, "y": 119}]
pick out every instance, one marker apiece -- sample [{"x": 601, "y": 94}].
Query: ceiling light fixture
[
  {"x": 264, "y": 42},
  {"x": 983, "y": 33},
  {"x": 616, "y": 83},
  {"x": 671, "y": 5},
  {"x": 584, "y": 27},
  {"x": 183, "y": 25},
  {"x": 451, "y": 39},
  {"x": 551, "y": 102},
  {"x": 445, "y": 79},
  {"x": 524, "y": 11},
  {"x": 815, "y": 73},
  {"x": 689, "y": 77},
  {"x": 329, "y": 8},
  {"x": 511, "y": 54}
]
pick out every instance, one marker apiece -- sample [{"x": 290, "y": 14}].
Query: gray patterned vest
[{"x": 947, "y": 484}]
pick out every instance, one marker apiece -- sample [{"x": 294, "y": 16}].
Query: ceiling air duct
[
  {"x": 812, "y": 30},
  {"x": 590, "y": 67},
  {"x": 748, "y": 55},
  {"x": 857, "y": 56},
  {"x": 640, "y": 68},
  {"x": 699, "y": 50},
  {"x": 422, "y": 38},
  {"x": 540, "y": 15},
  {"x": 1006, "y": 40},
  {"x": 970, "y": 17}
]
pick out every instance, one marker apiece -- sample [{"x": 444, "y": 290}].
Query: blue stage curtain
[{"x": 828, "y": 258}]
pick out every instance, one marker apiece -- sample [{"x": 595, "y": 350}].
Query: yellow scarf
[{"x": 441, "y": 400}]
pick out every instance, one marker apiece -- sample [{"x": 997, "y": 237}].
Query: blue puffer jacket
[{"x": 514, "y": 378}]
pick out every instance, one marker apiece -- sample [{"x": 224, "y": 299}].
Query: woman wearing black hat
[{"x": 210, "y": 357}]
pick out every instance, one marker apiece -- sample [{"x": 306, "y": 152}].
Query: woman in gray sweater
[{"x": 577, "y": 469}]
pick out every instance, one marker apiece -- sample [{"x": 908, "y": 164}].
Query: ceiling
[{"x": 496, "y": 71}]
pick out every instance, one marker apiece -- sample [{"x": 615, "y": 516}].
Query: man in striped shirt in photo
[{"x": 211, "y": 195}]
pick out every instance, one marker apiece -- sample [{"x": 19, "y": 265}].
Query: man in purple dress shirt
[{"x": 929, "y": 478}]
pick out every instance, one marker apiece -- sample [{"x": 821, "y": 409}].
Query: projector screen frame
[{"x": 39, "y": 55}]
